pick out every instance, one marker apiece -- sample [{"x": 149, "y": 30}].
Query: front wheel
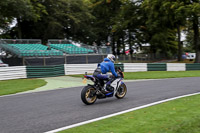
[
  {"x": 121, "y": 92},
  {"x": 88, "y": 95}
]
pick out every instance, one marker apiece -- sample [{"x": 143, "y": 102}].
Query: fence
[
  {"x": 140, "y": 58},
  {"x": 67, "y": 59},
  {"x": 69, "y": 69},
  {"x": 20, "y": 41}
]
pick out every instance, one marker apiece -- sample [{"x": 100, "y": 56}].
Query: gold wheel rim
[
  {"x": 123, "y": 91},
  {"x": 90, "y": 99}
]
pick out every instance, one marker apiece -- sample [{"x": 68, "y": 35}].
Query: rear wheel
[
  {"x": 88, "y": 95},
  {"x": 121, "y": 92}
]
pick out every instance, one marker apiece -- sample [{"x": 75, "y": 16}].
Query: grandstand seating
[
  {"x": 31, "y": 50},
  {"x": 71, "y": 49},
  {"x": 39, "y": 50}
]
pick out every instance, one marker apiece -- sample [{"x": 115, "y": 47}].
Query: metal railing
[
  {"x": 20, "y": 41},
  {"x": 95, "y": 49}
]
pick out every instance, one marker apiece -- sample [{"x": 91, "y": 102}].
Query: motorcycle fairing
[{"x": 116, "y": 84}]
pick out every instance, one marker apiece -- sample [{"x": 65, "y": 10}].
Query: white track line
[{"x": 115, "y": 114}]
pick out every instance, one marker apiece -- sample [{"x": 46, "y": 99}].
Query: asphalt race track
[{"x": 48, "y": 110}]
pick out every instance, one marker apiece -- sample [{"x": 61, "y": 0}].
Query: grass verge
[
  {"x": 178, "y": 116},
  {"x": 19, "y": 85},
  {"x": 156, "y": 74},
  {"x": 160, "y": 74}
]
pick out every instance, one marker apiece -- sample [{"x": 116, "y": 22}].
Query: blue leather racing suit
[
  {"x": 104, "y": 67},
  {"x": 107, "y": 66}
]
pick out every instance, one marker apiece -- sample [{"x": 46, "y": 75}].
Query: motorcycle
[{"x": 91, "y": 93}]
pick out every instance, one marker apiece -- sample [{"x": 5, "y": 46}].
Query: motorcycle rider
[{"x": 102, "y": 69}]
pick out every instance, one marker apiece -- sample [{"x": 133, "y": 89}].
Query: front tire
[
  {"x": 88, "y": 95},
  {"x": 121, "y": 92}
]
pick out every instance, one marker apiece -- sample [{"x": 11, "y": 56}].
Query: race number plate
[{"x": 84, "y": 81}]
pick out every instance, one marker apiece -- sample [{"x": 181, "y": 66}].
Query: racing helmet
[{"x": 111, "y": 57}]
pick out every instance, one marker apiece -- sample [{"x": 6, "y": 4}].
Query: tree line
[{"x": 121, "y": 22}]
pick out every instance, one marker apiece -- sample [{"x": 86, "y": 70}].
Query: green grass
[
  {"x": 160, "y": 74},
  {"x": 156, "y": 74},
  {"x": 19, "y": 85},
  {"x": 178, "y": 116}
]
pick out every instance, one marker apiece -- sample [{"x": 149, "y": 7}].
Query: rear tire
[
  {"x": 88, "y": 95},
  {"x": 121, "y": 92}
]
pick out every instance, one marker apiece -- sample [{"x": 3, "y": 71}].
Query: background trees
[
  {"x": 193, "y": 17},
  {"x": 20, "y": 10},
  {"x": 124, "y": 23}
]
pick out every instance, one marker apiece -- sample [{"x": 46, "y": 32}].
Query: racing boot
[{"x": 104, "y": 90}]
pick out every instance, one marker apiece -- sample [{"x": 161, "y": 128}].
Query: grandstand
[
  {"x": 33, "y": 52},
  {"x": 29, "y": 50},
  {"x": 71, "y": 49},
  {"x": 36, "y": 49}
]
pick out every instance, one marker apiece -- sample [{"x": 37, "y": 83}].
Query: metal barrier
[
  {"x": 67, "y": 59},
  {"x": 135, "y": 67},
  {"x": 45, "y": 71},
  {"x": 16, "y": 72},
  {"x": 156, "y": 67},
  {"x": 176, "y": 67},
  {"x": 195, "y": 66},
  {"x": 20, "y": 41},
  {"x": 71, "y": 69}
]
